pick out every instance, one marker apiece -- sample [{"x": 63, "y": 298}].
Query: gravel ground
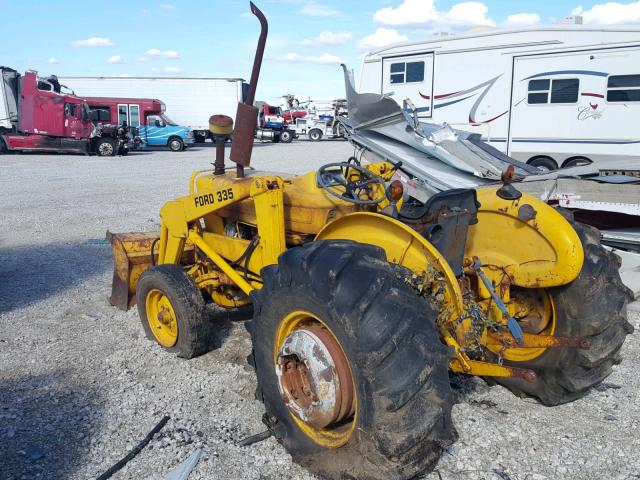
[{"x": 80, "y": 385}]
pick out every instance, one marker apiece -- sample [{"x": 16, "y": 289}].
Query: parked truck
[
  {"x": 146, "y": 115},
  {"x": 190, "y": 101},
  {"x": 37, "y": 116},
  {"x": 271, "y": 124}
]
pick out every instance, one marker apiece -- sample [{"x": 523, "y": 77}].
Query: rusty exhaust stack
[{"x": 247, "y": 114}]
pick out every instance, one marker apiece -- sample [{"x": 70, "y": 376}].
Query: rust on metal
[
  {"x": 531, "y": 340},
  {"x": 314, "y": 377},
  {"x": 247, "y": 114},
  {"x": 131, "y": 257}
]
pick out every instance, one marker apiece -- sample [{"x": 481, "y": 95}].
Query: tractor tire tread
[
  {"x": 593, "y": 306},
  {"x": 406, "y": 419},
  {"x": 187, "y": 302}
]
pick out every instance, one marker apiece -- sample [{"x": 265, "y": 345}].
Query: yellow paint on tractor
[{"x": 520, "y": 243}]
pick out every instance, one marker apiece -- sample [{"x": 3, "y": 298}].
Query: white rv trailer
[
  {"x": 189, "y": 101},
  {"x": 553, "y": 96}
]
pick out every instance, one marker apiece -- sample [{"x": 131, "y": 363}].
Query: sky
[{"x": 307, "y": 38}]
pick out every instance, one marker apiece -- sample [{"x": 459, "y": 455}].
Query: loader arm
[{"x": 180, "y": 223}]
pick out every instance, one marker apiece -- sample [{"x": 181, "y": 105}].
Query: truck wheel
[
  {"x": 286, "y": 136},
  {"x": 593, "y": 306},
  {"x": 172, "y": 310},
  {"x": 315, "y": 134},
  {"x": 123, "y": 151},
  {"x": 106, "y": 147},
  {"x": 200, "y": 137},
  {"x": 350, "y": 368},
  {"x": 176, "y": 144}
]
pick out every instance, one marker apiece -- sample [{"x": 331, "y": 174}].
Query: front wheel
[
  {"x": 350, "y": 368},
  {"x": 286, "y": 136},
  {"x": 106, "y": 147},
  {"x": 176, "y": 144},
  {"x": 172, "y": 310},
  {"x": 593, "y": 306}
]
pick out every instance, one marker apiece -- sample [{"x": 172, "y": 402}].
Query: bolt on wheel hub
[{"x": 314, "y": 377}]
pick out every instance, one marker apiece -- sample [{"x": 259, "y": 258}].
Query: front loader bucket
[{"x": 131, "y": 257}]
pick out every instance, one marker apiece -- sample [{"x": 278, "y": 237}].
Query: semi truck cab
[{"x": 147, "y": 115}]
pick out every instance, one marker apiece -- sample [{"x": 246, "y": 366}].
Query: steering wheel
[{"x": 334, "y": 178}]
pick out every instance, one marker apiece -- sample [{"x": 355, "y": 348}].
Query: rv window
[
  {"x": 623, "y": 88},
  {"x": 537, "y": 85},
  {"x": 562, "y": 91},
  {"x": 410, "y": 72},
  {"x": 536, "y": 98},
  {"x": 99, "y": 114},
  {"x": 415, "y": 72},
  {"x": 565, "y": 90},
  {"x": 538, "y": 92}
]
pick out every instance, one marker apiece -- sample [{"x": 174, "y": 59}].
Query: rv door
[{"x": 410, "y": 76}]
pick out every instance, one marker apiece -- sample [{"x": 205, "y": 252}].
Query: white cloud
[
  {"x": 423, "y": 13},
  {"x": 327, "y": 38},
  {"x": 172, "y": 69},
  {"x": 521, "y": 20},
  {"x": 93, "y": 42},
  {"x": 155, "y": 53},
  {"x": 324, "y": 58},
  {"x": 166, "y": 6},
  {"x": 380, "y": 38},
  {"x": 53, "y": 60},
  {"x": 314, "y": 9},
  {"x": 610, "y": 13},
  {"x": 116, "y": 59}
]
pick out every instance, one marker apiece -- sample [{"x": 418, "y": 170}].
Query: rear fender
[
  {"x": 402, "y": 245},
  {"x": 533, "y": 243}
]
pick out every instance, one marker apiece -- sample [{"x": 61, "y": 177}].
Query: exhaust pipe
[{"x": 247, "y": 114}]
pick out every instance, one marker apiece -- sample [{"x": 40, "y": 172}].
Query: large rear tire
[
  {"x": 172, "y": 310},
  {"x": 593, "y": 306},
  {"x": 397, "y": 363}
]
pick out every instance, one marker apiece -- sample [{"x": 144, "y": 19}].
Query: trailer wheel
[
  {"x": 544, "y": 163},
  {"x": 172, "y": 310},
  {"x": 593, "y": 306},
  {"x": 286, "y": 136},
  {"x": 3, "y": 147},
  {"x": 315, "y": 134},
  {"x": 176, "y": 144},
  {"x": 577, "y": 162},
  {"x": 350, "y": 367}
]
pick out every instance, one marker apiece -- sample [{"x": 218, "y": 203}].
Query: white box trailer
[
  {"x": 189, "y": 101},
  {"x": 553, "y": 97}
]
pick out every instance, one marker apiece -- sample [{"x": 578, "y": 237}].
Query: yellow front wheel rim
[
  {"x": 334, "y": 435},
  {"x": 162, "y": 318}
]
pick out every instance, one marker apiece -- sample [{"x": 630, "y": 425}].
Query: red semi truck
[{"x": 36, "y": 116}]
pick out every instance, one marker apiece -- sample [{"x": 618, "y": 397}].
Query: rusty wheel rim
[{"x": 315, "y": 379}]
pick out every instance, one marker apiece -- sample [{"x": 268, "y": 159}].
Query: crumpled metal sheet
[{"x": 440, "y": 156}]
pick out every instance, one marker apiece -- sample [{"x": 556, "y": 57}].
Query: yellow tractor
[{"x": 360, "y": 309}]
